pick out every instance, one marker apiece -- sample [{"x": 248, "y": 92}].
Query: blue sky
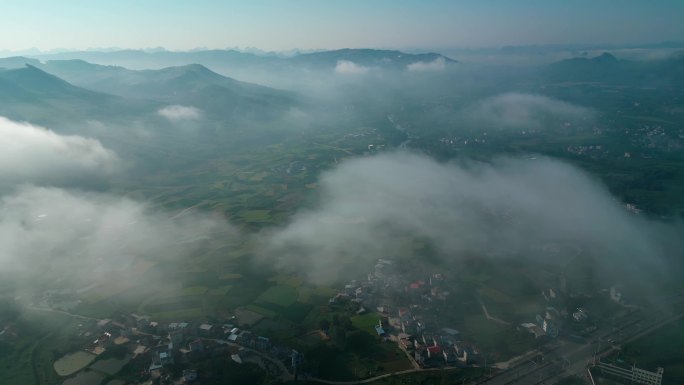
[{"x": 282, "y": 25}]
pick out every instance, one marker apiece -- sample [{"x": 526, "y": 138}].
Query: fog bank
[{"x": 370, "y": 206}]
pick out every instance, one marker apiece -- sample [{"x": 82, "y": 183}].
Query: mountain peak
[
  {"x": 605, "y": 58},
  {"x": 38, "y": 82},
  {"x": 189, "y": 72},
  {"x": 196, "y": 68},
  {"x": 369, "y": 57},
  {"x": 188, "y": 68},
  {"x": 32, "y": 75},
  {"x": 17, "y": 62}
]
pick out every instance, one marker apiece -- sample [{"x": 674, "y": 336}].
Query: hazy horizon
[{"x": 408, "y": 25}]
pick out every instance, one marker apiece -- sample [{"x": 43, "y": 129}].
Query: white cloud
[
  {"x": 62, "y": 231},
  {"x": 370, "y": 207},
  {"x": 518, "y": 110},
  {"x": 436, "y": 65},
  {"x": 177, "y": 113},
  {"x": 346, "y": 67},
  {"x": 29, "y": 152}
]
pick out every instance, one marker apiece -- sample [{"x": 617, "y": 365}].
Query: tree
[
  {"x": 360, "y": 343},
  {"x": 324, "y": 324},
  {"x": 339, "y": 335}
]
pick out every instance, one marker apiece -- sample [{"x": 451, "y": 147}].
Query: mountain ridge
[{"x": 139, "y": 59}]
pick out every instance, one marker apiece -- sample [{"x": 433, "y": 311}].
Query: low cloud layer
[
  {"x": 29, "y": 153},
  {"x": 176, "y": 113},
  {"x": 71, "y": 232},
  {"x": 52, "y": 229},
  {"x": 436, "y": 65},
  {"x": 346, "y": 67},
  {"x": 371, "y": 206},
  {"x": 516, "y": 110}
]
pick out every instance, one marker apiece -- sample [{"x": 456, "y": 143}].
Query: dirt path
[
  {"x": 489, "y": 317},
  {"x": 371, "y": 379}
]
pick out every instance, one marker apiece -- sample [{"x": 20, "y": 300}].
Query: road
[
  {"x": 66, "y": 313},
  {"x": 489, "y": 317},
  {"x": 566, "y": 358},
  {"x": 285, "y": 375},
  {"x": 560, "y": 358},
  {"x": 371, "y": 379}
]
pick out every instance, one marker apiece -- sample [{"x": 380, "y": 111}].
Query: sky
[{"x": 308, "y": 24}]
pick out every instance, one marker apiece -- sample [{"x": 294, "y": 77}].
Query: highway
[
  {"x": 564, "y": 358},
  {"x": 556, "y": 360}
]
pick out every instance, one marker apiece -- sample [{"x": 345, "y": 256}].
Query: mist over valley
[{"x": 491, "y": 215}]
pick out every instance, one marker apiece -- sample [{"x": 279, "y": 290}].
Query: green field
[
  {"x": 174, "y": 304},
  {"x": 261, "y": 310},
  {"x": 194, "y": 290},
  {"x": 85, "y": 378},
  {"x": 110, "y": 366},
  {"x": 73, "y": 362},
  {"x": 229, "y": 276},
  {"x": 176, "y": 315},
  {"x": 279, "y": 295},
  {"x": 501, "y": 342},
  {"x": 366, "y": 322},
  {"x": 222, "y": 290},
  {"x": 43, "y": 338},
  {"x": 256, "y": 216}
]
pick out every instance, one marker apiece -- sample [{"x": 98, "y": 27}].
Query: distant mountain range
[
  {"x": 607, "y": 68},
  {"x": 74, "y": 89},
  {"x": 225, "y": 59},
  {"x": 30, "y": 92},
  {"x": 193, "y": 83},
  {"x": 162, "y": 75},
  {"x": 367, "y": 58}
]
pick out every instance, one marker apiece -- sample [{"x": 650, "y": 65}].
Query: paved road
[
  {"x": 371, "y": 379},
  {"x": 285, "y": 375},
  {"x": 563, "y": 358},
  {"x": 569, "y": 358}
]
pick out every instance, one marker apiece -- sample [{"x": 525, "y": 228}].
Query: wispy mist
[
  {"x": 60, "y": 231},
  {"x": 435, "y": 65},
  {"x": 32, "y": 153},
  {"x": 530, "y": 111},
  {"x": 346, "y": 67},
  {"x": 177, "y": 113},
  {"x": 78, "y": 231},
  {"x": 370, "y": 206}
]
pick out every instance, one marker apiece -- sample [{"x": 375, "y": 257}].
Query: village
[
  {"x": 405, "y": 322},
  {"x": 409, "y": 308},
  {"x": 169, "y": 353}
]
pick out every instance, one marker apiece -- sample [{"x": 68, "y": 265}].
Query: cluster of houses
[
  {"x": 61, "y": 299},
  {"x": 162, "y": 345},
  {"x": 551, "y": 321},
  {"x": 548, "y": 323},
  {"x": 186, "y": 342},
  {"x": 593, "y": 151},
  {"x": 656, "y": 137},
  {"x": 404, "y": 321},
  {"x": 432, "y": 349}
]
